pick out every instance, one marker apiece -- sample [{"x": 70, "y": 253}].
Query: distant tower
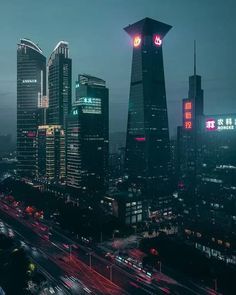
[
  {"x": 59, "y": 84},
  {"x": 191, "y": 133},
  {"x": 31, "y": 88},
  {"x": 147, "y": 144}
]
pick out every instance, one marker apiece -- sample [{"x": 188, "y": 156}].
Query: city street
[{"x": 62, "y": 258}]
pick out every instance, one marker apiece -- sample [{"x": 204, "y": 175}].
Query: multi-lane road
[{"x": 78, "y": 269}]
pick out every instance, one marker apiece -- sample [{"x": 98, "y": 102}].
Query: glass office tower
[
  {"x": 59, "y": 84},
  {"x": 31, "y": 87},
  {"x": 87, "y": 136},
  {"x": 147, "y": 144}
]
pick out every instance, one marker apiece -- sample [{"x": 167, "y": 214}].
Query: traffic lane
[
  {"x": 48, "y": 246},
  {"x": 121, "y": 277}
]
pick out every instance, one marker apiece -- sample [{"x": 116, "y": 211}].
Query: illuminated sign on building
[
  {"x": 29, "y": 81},
  {"x": 75, "y": 112},
  {"x": 221, "y": 123},
  {"x": 140, "y": 139},
  {"x": 157, "y": 40},
  {"x": 90, "y": 105},
  {"x": 137, "y": 41},
  {"x": 188, "y": 114}
]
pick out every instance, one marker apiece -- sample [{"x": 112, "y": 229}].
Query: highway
[
  {"x": 78, "y": 279},
  {"x": 77, "y": 268}
]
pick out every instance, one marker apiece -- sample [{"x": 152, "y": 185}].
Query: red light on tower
[
  {"x": 188, "y": 125},
  {"x": 137, "y": 41},
  {"x": 188, "y": 115},
  {"x": 188, "y": 105},
  {"x": 157, "y": 40}
]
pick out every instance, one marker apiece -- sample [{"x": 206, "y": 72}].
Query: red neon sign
[
  {"x": 188, "y": 105},
  {"x": 137, "y": 41},
  {"x": 31, "y": 134},
  {"x": 188, "y": 125},
  {"x": 188, "y": 115},
  {"x": 139, "y": 139},
  {"x": 157, "y": 40}
]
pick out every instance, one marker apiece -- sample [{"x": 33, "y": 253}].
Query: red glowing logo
[
  {"x": 157, "y": 40},
  {"x": 137, "y": 41}
]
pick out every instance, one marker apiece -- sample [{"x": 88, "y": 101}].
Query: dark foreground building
[
  {"x": 147, "y": 144},
  {"x": 87, "y": 136},
  {"x": 31, "y": 87}
]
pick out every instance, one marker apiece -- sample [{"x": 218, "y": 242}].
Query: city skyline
[
  {"x": 85, "y": 212},
  {"x": 214, "y": 57}
]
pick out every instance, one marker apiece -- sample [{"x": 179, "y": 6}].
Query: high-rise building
[
  {"x": 147, "y": 144},
  {"x": 51, "y": 152},
  {"x": 31, "y": 87},
  {"x": 191, "y": 130},
  {"x": 88, "y": 136},
  {"x": 208, "y": 215},
  {"x": 59, "y": 85}
]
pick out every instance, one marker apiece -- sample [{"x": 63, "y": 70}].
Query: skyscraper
[
  {"x": 59, "y": 84},
  {"x": 51, "y": 152},
  {"x": 31, "y": 87},
  {"x": 87, "y": 136},
  {"x": 192, "y": 129},
  {"x": 147, "y": 143}
]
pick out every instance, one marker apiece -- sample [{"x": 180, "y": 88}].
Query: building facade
[
  {"x": 31, "y": 87},
  {"x": 51, "y": 153},
  {"x": 147, "y": 160},
  {"x": 59, "y": 84},
  {"x": 190, "y": 140},
  {"x": 88, "y": 136},
  {"x": 208, "y": 215}
]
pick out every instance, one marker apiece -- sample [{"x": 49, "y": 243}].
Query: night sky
[{"x": 100, "y": 47}]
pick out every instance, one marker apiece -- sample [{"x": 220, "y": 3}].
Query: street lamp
[
  {"x": 159, "y": 266},
  {"x": 215, "y": 284},
  {"x": 70, "y": 251},
  {"x": 114, "y": 232},
  {"x": 110, "y": 271},
  {"x": 90, "y": 259}
]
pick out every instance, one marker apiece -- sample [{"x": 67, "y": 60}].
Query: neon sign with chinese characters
[
  {"x": 137, "y": 41},
  {"x": 220, "y": 123},
  {"x": 157, "y": 40},
  {"x": 187, "y": 114}
]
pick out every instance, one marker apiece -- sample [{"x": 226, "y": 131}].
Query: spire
[{"x": 195, "y": 59}]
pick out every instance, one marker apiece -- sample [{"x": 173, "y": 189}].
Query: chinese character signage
[
  {"x": 188, "y": 114},
  {"x": 221, "y": 123}
]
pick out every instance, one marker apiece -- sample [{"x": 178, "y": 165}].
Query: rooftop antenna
[{"x": 195, "y": 58}]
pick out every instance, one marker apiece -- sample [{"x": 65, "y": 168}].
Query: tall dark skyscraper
[
  {"x": 192, "y": 130},
  {"x": 88, "y": 136},
  {"x": 59, "y": 84},
  {"x": 147, "y": 142},
  {"x": 31, "y": 87}
]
